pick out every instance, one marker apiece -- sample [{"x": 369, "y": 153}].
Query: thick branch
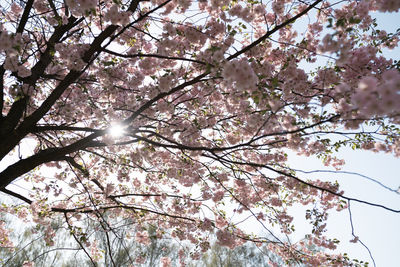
[
  {"x": 9, "y": 123},
  {"x": 51, "y": 154},
  {"x": 2, "y": 71},
  {"x": 25, "y": 16},
  {"x": 55, "y": 154},
  {"x": 12, "y": 140},
  {"x": 47, "y": 56},
  {"x": 73, "y": 75}
]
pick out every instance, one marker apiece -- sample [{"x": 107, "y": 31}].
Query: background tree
[
  {"x": 31, "y": 246},
  {"x": 65, "y": 253},
  {"x": 179, "y": 114}
]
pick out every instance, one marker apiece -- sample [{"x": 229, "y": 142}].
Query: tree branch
[
  {"x": 353, "y": 234},
  {"x": 11, "y": 193},
  {"x": 25, "y": 16},
  {"x": 45, "y": 128},
  {"x": 257, "y": 165},
  {"x": 275, "y": 29},
  {"x": 153, "y": 55},
  {"x": 51, "y": 154}
]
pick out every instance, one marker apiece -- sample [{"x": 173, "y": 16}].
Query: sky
[{"x": 377, "y": 228}]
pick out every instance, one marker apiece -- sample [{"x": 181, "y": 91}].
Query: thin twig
[{"x": 353, "y": 234}]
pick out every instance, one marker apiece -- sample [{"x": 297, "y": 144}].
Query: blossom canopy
[{"x": 181, "y": 114}]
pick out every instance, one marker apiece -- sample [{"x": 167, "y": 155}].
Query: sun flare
[{"x": 116, "y": 130}]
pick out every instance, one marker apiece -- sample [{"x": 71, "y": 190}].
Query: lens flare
[{"x": 116, "y": 130}]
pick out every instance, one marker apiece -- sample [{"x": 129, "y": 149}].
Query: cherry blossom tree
[{"x": 180, "y": 114}]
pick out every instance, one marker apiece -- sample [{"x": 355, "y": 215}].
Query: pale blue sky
[{"x": 376, "y": 227}]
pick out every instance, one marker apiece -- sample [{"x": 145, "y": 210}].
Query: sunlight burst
[{"x": 116, "y": 130}]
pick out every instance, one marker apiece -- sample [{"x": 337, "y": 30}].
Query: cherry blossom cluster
[
  {"x": 388, "y": 5},
  {"x": 6, "y": 40},
  {"x": 376, "y": 98},
  {"x": 225, "y": 238},
  {"x": 4, "y": 236},
  {"x": 240, "y": 74},
  {"x": 117, "y": 17},
  {"x": 80, "y": 7},
  {"x": 71, "y": 55}
]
